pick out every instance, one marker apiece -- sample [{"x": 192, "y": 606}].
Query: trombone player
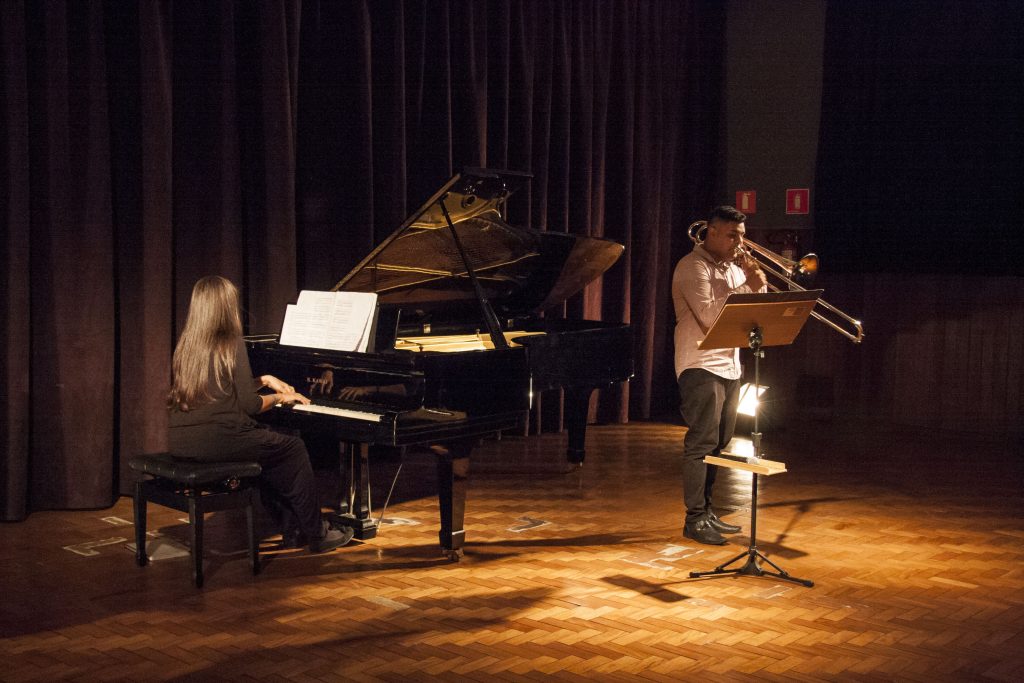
[{"x": 709, "y": 381}]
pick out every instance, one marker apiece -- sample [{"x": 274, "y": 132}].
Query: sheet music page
[
  {"x": 340, "y": 321},
  {"x": 300, "y": 327}
]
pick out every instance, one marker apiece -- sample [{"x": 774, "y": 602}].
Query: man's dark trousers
[{"x": 708, "y": 405}]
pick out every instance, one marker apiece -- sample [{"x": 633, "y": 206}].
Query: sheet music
[{"x": 340, "y": 321}]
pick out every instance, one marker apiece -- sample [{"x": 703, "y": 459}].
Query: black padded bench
[{"x": 197, "y": 488}]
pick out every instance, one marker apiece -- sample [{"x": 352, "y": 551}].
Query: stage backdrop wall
[{"x": 147, "y": 144}]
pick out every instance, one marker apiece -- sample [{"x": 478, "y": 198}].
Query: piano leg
[
  {"x": 452, "y": 477},
  {"x": 355, "y": 475},
  {"x": 576, "y": 404}
]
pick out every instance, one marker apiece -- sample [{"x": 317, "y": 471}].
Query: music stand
[{"x": 757, "y": 320}]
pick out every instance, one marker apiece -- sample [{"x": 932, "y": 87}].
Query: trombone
[{"x": 790, "y": 271}]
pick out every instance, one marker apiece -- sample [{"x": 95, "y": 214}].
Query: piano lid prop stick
[{"x": 491, "y": 320}]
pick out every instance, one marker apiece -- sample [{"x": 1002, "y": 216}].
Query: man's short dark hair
[{"x": 727, "y": 214}]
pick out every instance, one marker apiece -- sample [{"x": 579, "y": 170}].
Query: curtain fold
[
  {"x": 275, "y": 143},
  {"x": 141, "y": 165},
  {"x": 14, "y": 303},
  {"x": 71, "y": 293}
]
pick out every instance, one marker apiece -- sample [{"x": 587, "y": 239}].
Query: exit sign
[{"x": 798, "y": 200}]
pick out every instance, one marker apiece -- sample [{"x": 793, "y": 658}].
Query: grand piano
[{"x": 458, "y": 348}]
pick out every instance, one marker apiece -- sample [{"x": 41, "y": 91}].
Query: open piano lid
[{"x": 419, "y": 269}]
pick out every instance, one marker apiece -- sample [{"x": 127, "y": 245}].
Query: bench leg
[
  {"x": 195, "y": 525},
  {"x": 250, "y": 527},
  {"x": 139, "y": 507}
]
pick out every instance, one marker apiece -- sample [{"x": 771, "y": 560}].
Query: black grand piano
[{"x": 458, "y": 348}]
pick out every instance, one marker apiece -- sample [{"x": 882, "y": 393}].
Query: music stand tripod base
[{"x": 752, "y": 568}]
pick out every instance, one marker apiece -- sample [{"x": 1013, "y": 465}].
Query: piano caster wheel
[{"x": 453, "y": 555}]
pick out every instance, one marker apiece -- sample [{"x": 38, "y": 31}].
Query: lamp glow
[{"x": 749, "y": 399}]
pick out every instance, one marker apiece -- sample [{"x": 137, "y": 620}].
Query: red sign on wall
[
  {"x": 798, "y": 201},
  {"x": 746, "y": 201}
]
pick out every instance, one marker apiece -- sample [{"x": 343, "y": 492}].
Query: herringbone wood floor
[{"x": 915, "y": 543}]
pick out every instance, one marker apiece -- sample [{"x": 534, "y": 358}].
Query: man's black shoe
[
  {"x": 720, "y": 526},
  {"x": 702, "y": 532},
  {"x": 332, "y": 538}
]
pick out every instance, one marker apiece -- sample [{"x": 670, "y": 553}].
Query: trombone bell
[{"x": 807, "y": 266}]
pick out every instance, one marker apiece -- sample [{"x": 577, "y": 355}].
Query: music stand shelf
[
  {"x": 761, "y": 466},
  {"x": 757, "y": 320}
]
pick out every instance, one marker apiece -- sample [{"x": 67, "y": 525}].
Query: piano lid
[{"x": 419, "y": 269}]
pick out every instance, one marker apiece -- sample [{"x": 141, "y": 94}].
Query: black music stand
[{"x": 757, "y": 320}]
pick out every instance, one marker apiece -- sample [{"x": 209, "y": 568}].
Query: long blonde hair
[{"x": 205, "y": 353}]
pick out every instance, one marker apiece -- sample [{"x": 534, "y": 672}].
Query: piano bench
[{"x": 195, "y": 487}]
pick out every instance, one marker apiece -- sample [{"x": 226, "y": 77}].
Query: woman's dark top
[{"x": 221, "y": 429}]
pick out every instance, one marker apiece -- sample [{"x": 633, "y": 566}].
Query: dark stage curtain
[
  {"x": 921, "y": 150},
  {"x": 147, "y": 144}
]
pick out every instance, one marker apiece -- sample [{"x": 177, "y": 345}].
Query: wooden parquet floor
[{"x": 915, "y": 542}]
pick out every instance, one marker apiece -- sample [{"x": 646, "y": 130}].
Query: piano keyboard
[{"x": 340, "y": 412}]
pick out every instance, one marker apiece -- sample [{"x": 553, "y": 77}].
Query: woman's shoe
[
  {"x": 293, "y": 538},
  {"x": 332, "y": 538}
]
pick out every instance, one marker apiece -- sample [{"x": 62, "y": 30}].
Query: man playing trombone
[{"x": 709, "y": 381}]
